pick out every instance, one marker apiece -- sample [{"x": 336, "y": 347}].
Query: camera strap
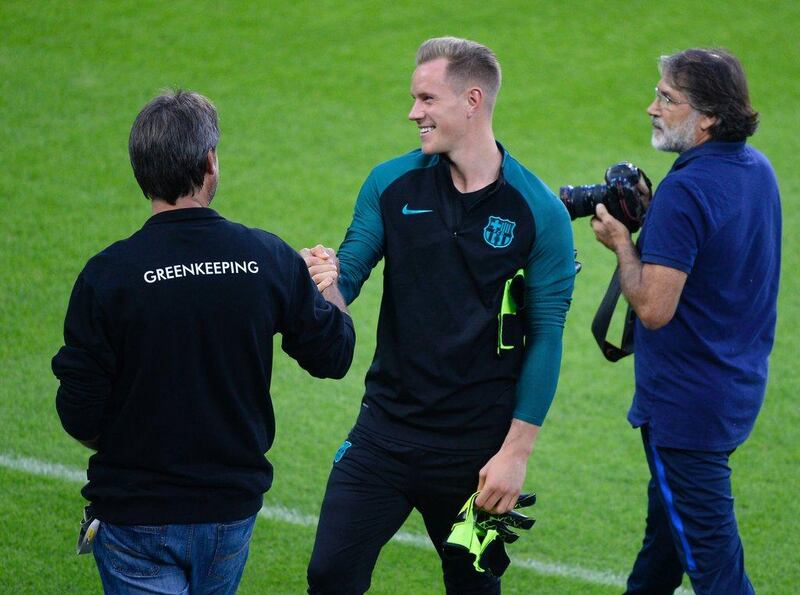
[{"x": 602, "y": 320}]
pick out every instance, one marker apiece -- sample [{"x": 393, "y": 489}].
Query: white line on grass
[
  {"x": 41, "y": 468},
  {"x": 283, "y": 514}
]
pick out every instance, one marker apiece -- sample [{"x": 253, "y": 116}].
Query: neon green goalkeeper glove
[{"x": 483, "y": 535}]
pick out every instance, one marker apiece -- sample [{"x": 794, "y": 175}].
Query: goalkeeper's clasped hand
[{"x": 483, "y": 535}]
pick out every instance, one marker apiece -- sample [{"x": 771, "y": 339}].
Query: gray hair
[
  {"x": 469, "y": 62},
  {"x": 715, "y": 84},
  {"x": 169, "y": 144}
]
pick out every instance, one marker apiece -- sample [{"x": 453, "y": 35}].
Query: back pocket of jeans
[
  {"x": 134, "y": 550},
  {"x": 231, "y": 551}
]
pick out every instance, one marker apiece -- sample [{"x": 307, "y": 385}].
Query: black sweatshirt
[{"x": 168, "y": 359}]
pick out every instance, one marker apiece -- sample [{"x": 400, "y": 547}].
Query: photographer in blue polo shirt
[{"x": 703, "y": 284}]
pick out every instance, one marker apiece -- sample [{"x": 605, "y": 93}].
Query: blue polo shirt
[{"x": 700, "y": 379}]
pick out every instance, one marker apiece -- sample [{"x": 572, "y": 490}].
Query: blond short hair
[{"x": 469, "y": 62}]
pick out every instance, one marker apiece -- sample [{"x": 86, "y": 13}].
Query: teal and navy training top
[{"x": 436, "y": 379}]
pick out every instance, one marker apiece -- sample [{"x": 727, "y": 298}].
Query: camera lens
[{"x": 582, "y": 200}]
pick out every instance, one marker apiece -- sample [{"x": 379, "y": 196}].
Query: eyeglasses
[{"x": 665, "y": 100}]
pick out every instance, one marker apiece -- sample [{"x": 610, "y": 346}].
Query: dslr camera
[{"x": 619, "y": 195}]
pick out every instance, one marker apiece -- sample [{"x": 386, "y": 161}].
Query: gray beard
[
  {"x": 211, "y": 192},
  {"x": 676, "y": 139}
]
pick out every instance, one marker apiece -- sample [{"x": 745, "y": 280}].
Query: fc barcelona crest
[{"x": 498, "y": 232}]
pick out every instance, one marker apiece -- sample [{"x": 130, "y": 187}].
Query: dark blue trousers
[
  {"x": 373, "y": 486},
  {"x": 691, "y": 525}
]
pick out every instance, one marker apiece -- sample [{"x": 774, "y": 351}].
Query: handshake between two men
[{"x": 323, "y": 266}]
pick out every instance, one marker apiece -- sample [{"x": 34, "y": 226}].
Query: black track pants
[{"x": 373, "y": 486}]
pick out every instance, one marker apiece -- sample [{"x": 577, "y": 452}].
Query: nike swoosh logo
[{"x": 407, "y": 211}]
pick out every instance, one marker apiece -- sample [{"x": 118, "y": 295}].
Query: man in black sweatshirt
[{"x": 167, "y": 361}]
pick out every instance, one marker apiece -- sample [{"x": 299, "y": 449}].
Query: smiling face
[
  {"x": 439, "y": 110},
  {"x": 677, "y": 126}
]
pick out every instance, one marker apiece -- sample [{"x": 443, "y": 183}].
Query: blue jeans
[
  {"x": 192, "y": 559},
  {"x": 691, "y": 526}
]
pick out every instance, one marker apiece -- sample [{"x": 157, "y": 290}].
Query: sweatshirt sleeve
[
  {"x": 549, "y": 281},
  {"x": 85, "y": 365},
  {"x": 316, "y": 333},
  {"x": 362, "y": 247}
]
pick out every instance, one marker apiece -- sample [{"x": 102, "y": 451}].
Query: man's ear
[
  {"x": 475, "y": 101},
  {"x": 211, "y": 162},
  {"x": 707, "y": 122}
]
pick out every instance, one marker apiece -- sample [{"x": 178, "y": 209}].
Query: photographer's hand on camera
[{"x": 610, "y": 231}]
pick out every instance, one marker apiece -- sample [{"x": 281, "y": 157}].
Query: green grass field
[{"x": 311, "y": 95}]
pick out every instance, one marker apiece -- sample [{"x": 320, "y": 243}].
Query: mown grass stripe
[{"x": 283, "y": 514}]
